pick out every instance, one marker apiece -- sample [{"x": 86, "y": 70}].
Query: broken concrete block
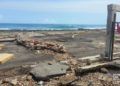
[
  {"x": 4, "y": 57},
  {"x": 44, "y": 71}
]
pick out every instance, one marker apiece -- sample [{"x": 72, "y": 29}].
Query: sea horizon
[{"x": 33, "y": 26}]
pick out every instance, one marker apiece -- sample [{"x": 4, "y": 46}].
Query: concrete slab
[{"x": 44, "y": 71}]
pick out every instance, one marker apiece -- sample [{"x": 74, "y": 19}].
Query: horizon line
[{"x": 50, "y": 23}]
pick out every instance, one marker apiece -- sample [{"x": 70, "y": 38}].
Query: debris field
[{"x": 65, "y": 68}]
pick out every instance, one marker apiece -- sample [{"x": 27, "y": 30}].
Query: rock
[
  {"x": 88, "y": 62},
  {"x": 90, "y": 83},
  {"x": 34, "y": 65},
  {"x": 74, "y": 62},
  {"x": 41, "y": 83},
  {"x": 38, "y": 51},
  {"x": 29, "y": 77},
  {"x": 104, "y": 70},
  {"x": 14, "y": 81},
  {"x": 0, "y": 82},
  {"x": 64, "y": 62},
  {"x": 68, "y": 79},
  {"x": 44, "y": 71}
]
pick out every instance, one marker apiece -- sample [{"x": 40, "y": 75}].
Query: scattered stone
[
  {"x": 68, "y": 79},
  {"x": 41, "y": 83},
  {"x": 104, "y": 70},
  {"x": 49, "y": 63},
  {"x": 90, "y": 83},
  {"x": 88, "y": 62},
  {"x": 22, "y": 80},
  {"x": 34, "y": 65},
  {"x": 38, "y": 51},
  {"x": 43, "y": 71},
  {"x": 64, "y": 62},
  {"x": 29, "y": 78},
  {"x": 0, "y": 81},
  {"x": 14, "y": 81}
]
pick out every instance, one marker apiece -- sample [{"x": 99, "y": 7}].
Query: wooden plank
[
  {"x": 7, "y": 36},
  {"x": 117, "y": 63},
  {"x": 91, "y": 59},
  {"x": 111, "y": 18},
  {"x": 4, "y": 57},
  {"x": 97, "y": 66},
  {"x": 115, "y": 7},
  {"x": 94, "y": 66},
  {"x": 7, "y": 40},
  {"x": 96, "y": 58}
]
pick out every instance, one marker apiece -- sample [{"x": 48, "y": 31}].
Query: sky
[{"x": 55, "y": 11}]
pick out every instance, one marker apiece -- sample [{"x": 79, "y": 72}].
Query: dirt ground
[
  {"x": 77, "y": 43},
  {"x": 84, "y": 43}
]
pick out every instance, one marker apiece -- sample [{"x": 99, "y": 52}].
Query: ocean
[{"x": 13, "y": 26}]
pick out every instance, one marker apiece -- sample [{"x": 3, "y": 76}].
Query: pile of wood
[
  {"x": 97, "y": 62},
  {"x": 40, "y": 45}
]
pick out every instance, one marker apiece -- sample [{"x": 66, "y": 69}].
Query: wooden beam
[
  {"x": 4, "y": 57},
  {"x": 91, "y": 58},
  {"x": 93, "y": 67},
  {"x": 111, "y": 19},
  {"x": 7, "y": 39},
  {"x": 97, "y": 66},
  {"x": 115, "y": 7},
  {"x": 97, "y": 58}
]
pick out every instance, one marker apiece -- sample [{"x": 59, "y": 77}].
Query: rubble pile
[
  {"x": 23, "y": 80},
  {"x": 69, "y": 79},
  {"x": 42, "y": 45},
  {"x": 62, "y": 72}
]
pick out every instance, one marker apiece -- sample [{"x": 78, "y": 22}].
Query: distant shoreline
[
  {"x": 53, "y": 30},
  {"x": 48, "y": 27}
]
